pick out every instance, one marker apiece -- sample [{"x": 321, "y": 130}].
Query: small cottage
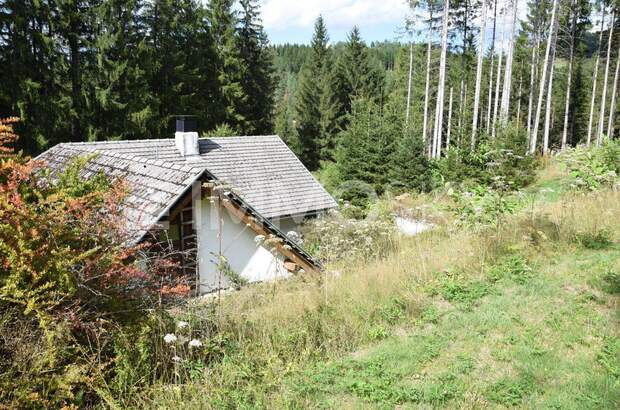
[{"x": 230, "y": 205}]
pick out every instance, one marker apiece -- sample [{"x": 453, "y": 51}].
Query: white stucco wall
[{"x": 250, "y": 260}]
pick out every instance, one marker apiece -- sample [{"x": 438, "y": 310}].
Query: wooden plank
[{"x": 260, "y": 229}]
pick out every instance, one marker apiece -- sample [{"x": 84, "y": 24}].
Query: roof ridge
[
  {"x": 87, "y": 143},
  {"x": 144, "y": 160}
]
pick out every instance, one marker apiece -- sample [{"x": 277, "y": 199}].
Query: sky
[{"x": 290, "y": 21}]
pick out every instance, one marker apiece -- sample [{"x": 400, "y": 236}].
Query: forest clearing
[{"x": 196, "y": 215}]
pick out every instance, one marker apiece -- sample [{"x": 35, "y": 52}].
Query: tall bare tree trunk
[
  {"x": 570, "y": 74},
  {"x": 409, "y": 85},
  {"x": 497, "y": 90},
  {"x": 474, "y": 128},
  {"x": 520, "y": 95},
  {"x": 595, "y": 80},
  {"x": 428, "y": 77},
  {"x": 549, "y": 108},
  {"x": 449, "y": 119},
  {"x": 505, "y": 108},
  {"x": 491, "y": 65},
  {"x": 543, "y": 80},
  {"x": 601, "y": 121},
  {"x": 533, "y": 75},
  {"x": 442, "y": 80},
  {"x": 612, "y": 107},
  {"x": 460, "y": 124}
]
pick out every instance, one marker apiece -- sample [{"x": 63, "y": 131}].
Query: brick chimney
[{"x": 186, "y": 136}]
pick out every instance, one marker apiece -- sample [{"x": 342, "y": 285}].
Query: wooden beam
[{"x": 260, "y": 229}]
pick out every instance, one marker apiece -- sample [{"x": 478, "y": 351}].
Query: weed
[
  {"x": 464, "y": 293},
  {"x": 511, "y": 391},
  {"x": 431, "y": 314},
  {"x": 439, "y": 393},
  {"x": 377, "y": 333},
  {"x": 368, "y": 380},
  {"x": 514, "y": 268},
  {"x": 592, "y": 169},
  {"x": 609, "y": 356},
  {"x": 601, "y": 239},
  {"x": 393, "y": 311},
  {"x": 463, "y": 364},
  {"x": 611, "y": 282}
]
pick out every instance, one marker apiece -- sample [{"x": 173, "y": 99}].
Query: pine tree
[
  {"x": 32, "y": 79},
  {"x": 354, "y": 75},
  {"x": 313, "y": 115},
  {"x": 410, "y": 168},
  {"x": 481, "y": 47},
  {"x": 576, "y": 17},
  {"x": 179, "y": 65},
  {"x": 231, "y": 68},
  {"x": 74, "y": 21},
  {"x": 463, "y": 16},
  {"x": 545, "y": 82},
  {"x": 118, "y": 91},
  {"x": 367, "y": 145},
  {"x": 258, "y": 84}
]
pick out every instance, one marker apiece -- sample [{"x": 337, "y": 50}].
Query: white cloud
[{"x": 338, "y": 14}]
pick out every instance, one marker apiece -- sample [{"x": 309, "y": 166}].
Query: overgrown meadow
[{"x": 509, "y": 300}]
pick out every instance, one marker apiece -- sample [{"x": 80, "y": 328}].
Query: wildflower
[
  {"x": 170, "y": 338},
  {"x": 182, "y": 324},
  {"x": 176, "y": 359},
  {"x": 195, "y": 343}
]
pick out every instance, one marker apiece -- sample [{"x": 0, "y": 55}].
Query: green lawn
[{"x": 542, "y": 334}]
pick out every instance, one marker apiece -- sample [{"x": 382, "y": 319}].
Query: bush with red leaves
[{"x": 66, "y": 274}]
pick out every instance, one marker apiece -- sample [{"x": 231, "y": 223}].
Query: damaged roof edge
[{"x": 244, "y": 205}]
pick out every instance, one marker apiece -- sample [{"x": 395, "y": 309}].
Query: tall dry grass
[{"x": 269, "y": 331}]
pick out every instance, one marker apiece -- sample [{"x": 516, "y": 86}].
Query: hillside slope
[
  {"x": 523, "y": 312},
  {"x": 543, "y": 336}
]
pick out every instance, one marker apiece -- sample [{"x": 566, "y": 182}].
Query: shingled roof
[{"x": 261, "y": 170}]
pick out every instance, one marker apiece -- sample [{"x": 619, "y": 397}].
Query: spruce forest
[
  {"x": 461, "y": 73},
  {"x": 470, "y": 257}
]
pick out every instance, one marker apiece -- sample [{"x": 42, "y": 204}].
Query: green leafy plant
[
  {"x": 481, "y": 205},
  {"x": 593, "y": 168},
  {"x": 609, "y": 356},
  {"x": 511, "y": 391},
  {"x": 601, "y": 239},
  {"x": 499, "y": 159},
  {"x": 336, "y": 238},
  {"x": 514, "y": 268},
  {"x": 612, "y": 282},
  {"x": 453, "y": 288}
]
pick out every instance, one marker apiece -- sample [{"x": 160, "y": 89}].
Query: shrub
[
  {"x": 601, "y": 239},
  {"x": 501, "y": 159},
  {"x": 593, "y": 168},
  {"x": 481, "y": 205},
  {"x": 67, "y": 280},
  {"x": 335, "y": 238}
]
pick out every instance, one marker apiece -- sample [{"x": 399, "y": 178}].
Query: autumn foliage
[{"x": 66, "y": 274}]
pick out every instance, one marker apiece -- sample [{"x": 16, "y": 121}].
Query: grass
[
  {"x": 546, "y": 342},
  {"x": 521, "y": 315}
]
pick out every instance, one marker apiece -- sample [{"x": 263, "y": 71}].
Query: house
[{"x": 238, "y": 197}]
